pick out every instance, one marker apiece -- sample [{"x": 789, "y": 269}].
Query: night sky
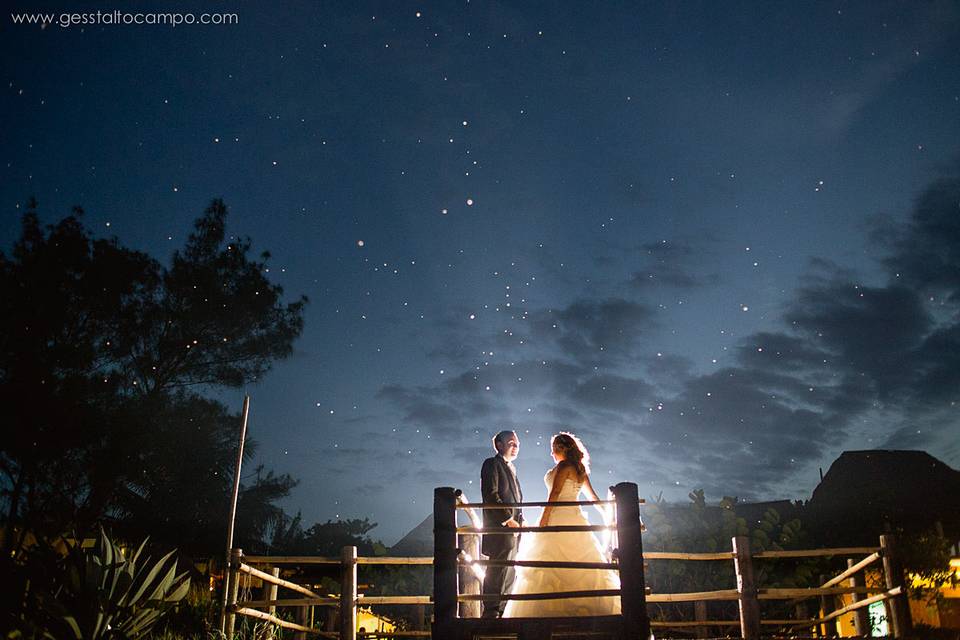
[{"x": 719, "y": 241}]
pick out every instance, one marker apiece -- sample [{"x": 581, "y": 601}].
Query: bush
[{"x": 97, "y": 593}]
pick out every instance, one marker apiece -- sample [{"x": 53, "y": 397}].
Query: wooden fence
[
  {"x": 347, "y": 603},
  {"x": 457, "y": 567},
  {"x": 749, "y": 595}
]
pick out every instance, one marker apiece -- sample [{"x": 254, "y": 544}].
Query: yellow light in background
[{"x": 919, "y": 582}]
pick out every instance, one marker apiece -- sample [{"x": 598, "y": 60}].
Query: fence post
[
  {"x": 470, "y": 543},
  {"x": 803, "y": 615},
  {"x": 330, "y": 619},
  {"x": 826, "y": 608},
  {"x": 419, "y": 617},
  {"x": 747, "y": 588},
  {"x": 700, "y": 615},
  {"x": 233, "y": 588},
  {"x": 303, "y": 618},
  {"x": 633, "y": 584},
  {"x": 444, "y": 560},
  {"x": 272, "y": 595},
  {"x": 902, "y": 626},
  {"x": 348, "y": 594},
  {"x": 861, "y": 618}
]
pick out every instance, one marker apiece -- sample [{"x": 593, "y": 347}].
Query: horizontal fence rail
[
  {"x": 670, "y": 555},
  {"x": 694, "y": 596},
  {"x": 542, "y": 564},
  {"x": 509, "y": 531},
  {"x": 812, "y": 592},
  {"x": 520, "y": 505},
  {"x": 553, "y": 595},
  {"x": 274, "y": 560},
  {"x": 291, "y": 602},
  {"x": 814, "y": 553},
  {"x": 679, "y": 624}
]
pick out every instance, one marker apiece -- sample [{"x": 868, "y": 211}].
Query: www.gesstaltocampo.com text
[{"x": 123, "y": 18}]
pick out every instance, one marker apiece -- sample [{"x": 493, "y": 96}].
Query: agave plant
[{"x": 108, "y": 595}]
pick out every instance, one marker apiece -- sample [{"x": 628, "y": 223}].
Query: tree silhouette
[
  {"x": 213, "y": 318},
  {"x": 103, "y": 355}
]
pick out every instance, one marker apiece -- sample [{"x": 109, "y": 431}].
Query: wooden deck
[{"x": 594, "y": 628}]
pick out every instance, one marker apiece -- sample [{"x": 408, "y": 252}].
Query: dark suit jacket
[{"x": 498, "y": 484}]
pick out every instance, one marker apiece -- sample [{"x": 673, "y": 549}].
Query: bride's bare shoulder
[{"x": 566, "y": 469}]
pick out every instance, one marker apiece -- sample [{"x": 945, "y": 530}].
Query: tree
[
  {"x": 214, "y": 318},
  {"x": 59, "y": 292},
  {"x": 103, "y": 355},
  {"x": 184, "y": 476},
  {"x": 330, "y": 537}
]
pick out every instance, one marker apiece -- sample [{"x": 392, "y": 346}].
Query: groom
[{"x": 499, "y": 484}]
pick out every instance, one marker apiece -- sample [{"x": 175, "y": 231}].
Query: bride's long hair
[{"x": 572, "y": 449}]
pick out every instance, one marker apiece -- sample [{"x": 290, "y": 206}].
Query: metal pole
[{"x": 233, "y": 510}]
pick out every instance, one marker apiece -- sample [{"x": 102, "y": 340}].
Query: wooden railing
[
  {"x": 749, "y": 595},
  {"x": 454, "y": 561},
  {"x": 451, "y": 552},
  {"x": 457, "y": 570},
  {"x": 347, "y": 603}
]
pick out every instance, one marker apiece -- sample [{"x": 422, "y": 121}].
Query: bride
[{"x": 566, "y": 481}]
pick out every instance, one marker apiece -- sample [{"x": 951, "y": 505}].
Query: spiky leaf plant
[{"x": 109, "y": 595}]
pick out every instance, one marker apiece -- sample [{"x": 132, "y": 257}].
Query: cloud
[
  {"x": 669, "y": 264},
  {"x": 421, "y": 408},
  {"x": 926, "y": 252},
  {"x": 937, "y": 362},
  {"x": 846, "y": 352},
  {"x": 370, "y": 489},
  {"x": 590, "y": 331},
  {"x": 846, "y": 359},
  {"x": 614, "y": 393}
]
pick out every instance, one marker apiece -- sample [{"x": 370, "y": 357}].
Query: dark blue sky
[{"x": 688, "y": 232}]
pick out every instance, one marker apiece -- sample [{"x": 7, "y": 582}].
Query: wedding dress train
[{"x": 578, "y": 546}]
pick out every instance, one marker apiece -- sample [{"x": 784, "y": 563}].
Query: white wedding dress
[{"x": 577, "y": 546}]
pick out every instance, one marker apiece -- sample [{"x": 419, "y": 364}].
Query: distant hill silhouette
[{"x": 417, "y": 542}]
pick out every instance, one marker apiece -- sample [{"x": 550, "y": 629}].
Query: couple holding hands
[{"x": 565, "y": 481}]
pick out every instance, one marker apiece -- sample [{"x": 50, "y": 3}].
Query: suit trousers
[{"x": 499, "y": 579}]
